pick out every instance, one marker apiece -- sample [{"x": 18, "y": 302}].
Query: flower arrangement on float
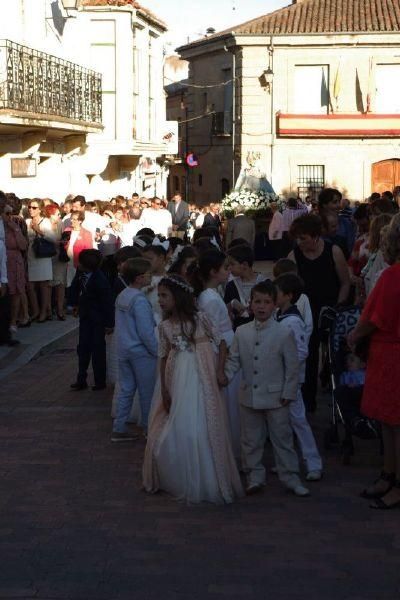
[{"x": 254, "y": 203}]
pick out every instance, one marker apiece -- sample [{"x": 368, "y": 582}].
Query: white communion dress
[{"x": 189, "y": 452}]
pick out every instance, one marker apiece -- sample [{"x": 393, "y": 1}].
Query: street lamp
[
  {"x": 266, "y": 79},
  {"x": 70, "y": 4}
]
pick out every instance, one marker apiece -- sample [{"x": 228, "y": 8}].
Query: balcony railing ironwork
[{"x": 35, "y": 82}]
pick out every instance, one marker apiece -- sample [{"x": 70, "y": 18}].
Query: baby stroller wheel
[{"x": 331, "y": 436}]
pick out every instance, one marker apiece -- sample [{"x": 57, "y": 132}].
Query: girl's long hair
[
  {"x": 200, "y": 272},
  {"x": 185, "y": 304},
  {"x": 176, "y": 267}
]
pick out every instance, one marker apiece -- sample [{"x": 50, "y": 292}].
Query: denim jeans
[{"x": 135, "y": 373}]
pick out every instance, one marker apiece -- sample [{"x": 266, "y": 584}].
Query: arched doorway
[{"x": 385, "y": 175}]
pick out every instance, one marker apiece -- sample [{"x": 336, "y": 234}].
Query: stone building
[
  {"x": 311, "y": 92},
  {"x": 175, "y": 80},
  {"x": 82, "y": 105}
]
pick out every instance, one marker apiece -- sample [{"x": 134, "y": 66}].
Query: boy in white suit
[{"x": 267, "y": 354}]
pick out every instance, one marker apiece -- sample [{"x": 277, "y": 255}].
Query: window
[
  {"x": 228, "y": 100},
  {"x": 136, "y": 79},
  {"x": 225, "y": 187},
  {"x": 387, "y": 99},
  {"x": 311, "y": 89},
  {"x": 310, "y": 180},
  {"x": 103, "y": 58},
  {"x": 152, "y": 92}
]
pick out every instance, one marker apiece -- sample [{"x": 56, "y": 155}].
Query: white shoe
[
  {"x": 314, "y": 475},
  {"x": 300, "y": 491},
  {"x": 13, "y": 328}
]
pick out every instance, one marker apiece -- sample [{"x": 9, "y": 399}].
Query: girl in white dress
[
  {"x": 211, "y": 272},
  {"x": 188, "y": 452}
]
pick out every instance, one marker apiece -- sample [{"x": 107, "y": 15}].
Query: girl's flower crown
[{"x": 182, "y": 284}]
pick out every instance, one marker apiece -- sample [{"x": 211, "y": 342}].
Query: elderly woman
[
  {"x": 380, "y": 322},
  {"x": 40, "y": 270},
  {"x": 323, "y": 268}
]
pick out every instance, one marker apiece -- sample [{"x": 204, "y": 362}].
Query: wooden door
[{"x": 385, "y": 175}]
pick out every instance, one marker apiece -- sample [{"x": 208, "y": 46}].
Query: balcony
[
  {"x": 222, "y": 123},
  {"x": 39, "y": 90},
  {"x": 338, "y": 125}
]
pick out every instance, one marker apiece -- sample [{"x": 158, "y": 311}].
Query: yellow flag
[{"x": 337, "y": 85}]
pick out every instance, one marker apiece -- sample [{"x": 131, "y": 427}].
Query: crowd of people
[{"x": 207, "y": 355}]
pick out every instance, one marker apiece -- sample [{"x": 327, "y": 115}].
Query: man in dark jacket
[{"x": 180, "y": 213}]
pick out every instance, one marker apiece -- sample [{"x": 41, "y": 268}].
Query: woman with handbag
[
  {"x": 59, "y": 261},
  {"x": 40, "y": 252},
  {"x": 380, "y": 323}
]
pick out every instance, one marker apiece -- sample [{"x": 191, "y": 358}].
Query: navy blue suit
[{"x": 96, "y": 313}]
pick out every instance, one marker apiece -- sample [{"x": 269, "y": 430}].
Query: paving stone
[{"x": 75, "y": 524}]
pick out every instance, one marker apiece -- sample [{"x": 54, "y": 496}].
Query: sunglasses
[{"x": 33, "y": 207}]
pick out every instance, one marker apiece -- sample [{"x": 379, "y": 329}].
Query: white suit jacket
[{"x": 267, "y": 355}]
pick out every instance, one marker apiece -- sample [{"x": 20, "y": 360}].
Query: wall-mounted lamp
[
  {"x": 266, "y": 79},
  {"x": 70, "y": 4}
]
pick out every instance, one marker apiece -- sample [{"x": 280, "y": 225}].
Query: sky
[{"x": 191, "y": 18}]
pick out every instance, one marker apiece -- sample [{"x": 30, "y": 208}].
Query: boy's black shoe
[
  {"x": 77, "y": 387},
  {"x": 97, "y": 388}
]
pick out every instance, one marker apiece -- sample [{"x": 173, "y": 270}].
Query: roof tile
[
  {"x": 324, "y": 16},
  {"x": 145, "y": 11}
]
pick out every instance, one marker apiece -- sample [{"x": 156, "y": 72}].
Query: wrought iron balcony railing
[{"x": 36, "y": 82}]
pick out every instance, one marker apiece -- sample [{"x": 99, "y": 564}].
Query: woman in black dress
[{"x": 325, "y": 273}]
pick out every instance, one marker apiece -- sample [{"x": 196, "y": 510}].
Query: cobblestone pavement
[{"x": 76, "y": 525}]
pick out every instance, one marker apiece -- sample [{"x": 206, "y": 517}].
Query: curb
[{"x": 33, "y": 351}]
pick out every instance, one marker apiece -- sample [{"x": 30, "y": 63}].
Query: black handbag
[
  {"x": 62, "y": 253},
  {"x": 43, "y": 248}
]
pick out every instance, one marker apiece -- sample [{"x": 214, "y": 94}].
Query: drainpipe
[
  {"x": 233, "y": 115},
  {"x": 271, "y": 63}
]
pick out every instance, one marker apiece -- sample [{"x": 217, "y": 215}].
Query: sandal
[
  {"x": 380, "y": 504},
  {"x": 61, "y": 317},
  {"x": 389, "y": 478}
]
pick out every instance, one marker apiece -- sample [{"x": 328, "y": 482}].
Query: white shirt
[
  {"x": 159, "y": 220},
  {"x": 276, "y": 226},
  {"x": 215, "y": 308},
  {"x": 129, "y": 230},
  {"x": 3, "y": 263}
]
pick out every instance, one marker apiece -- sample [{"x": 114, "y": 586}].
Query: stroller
[{"x": 335, "y": 324}]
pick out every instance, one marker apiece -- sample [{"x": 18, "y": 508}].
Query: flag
[
  {"x": 337, "y": 85},
  {"x": 359, "y": 95},
  {"x": 369, "y": 91}
]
